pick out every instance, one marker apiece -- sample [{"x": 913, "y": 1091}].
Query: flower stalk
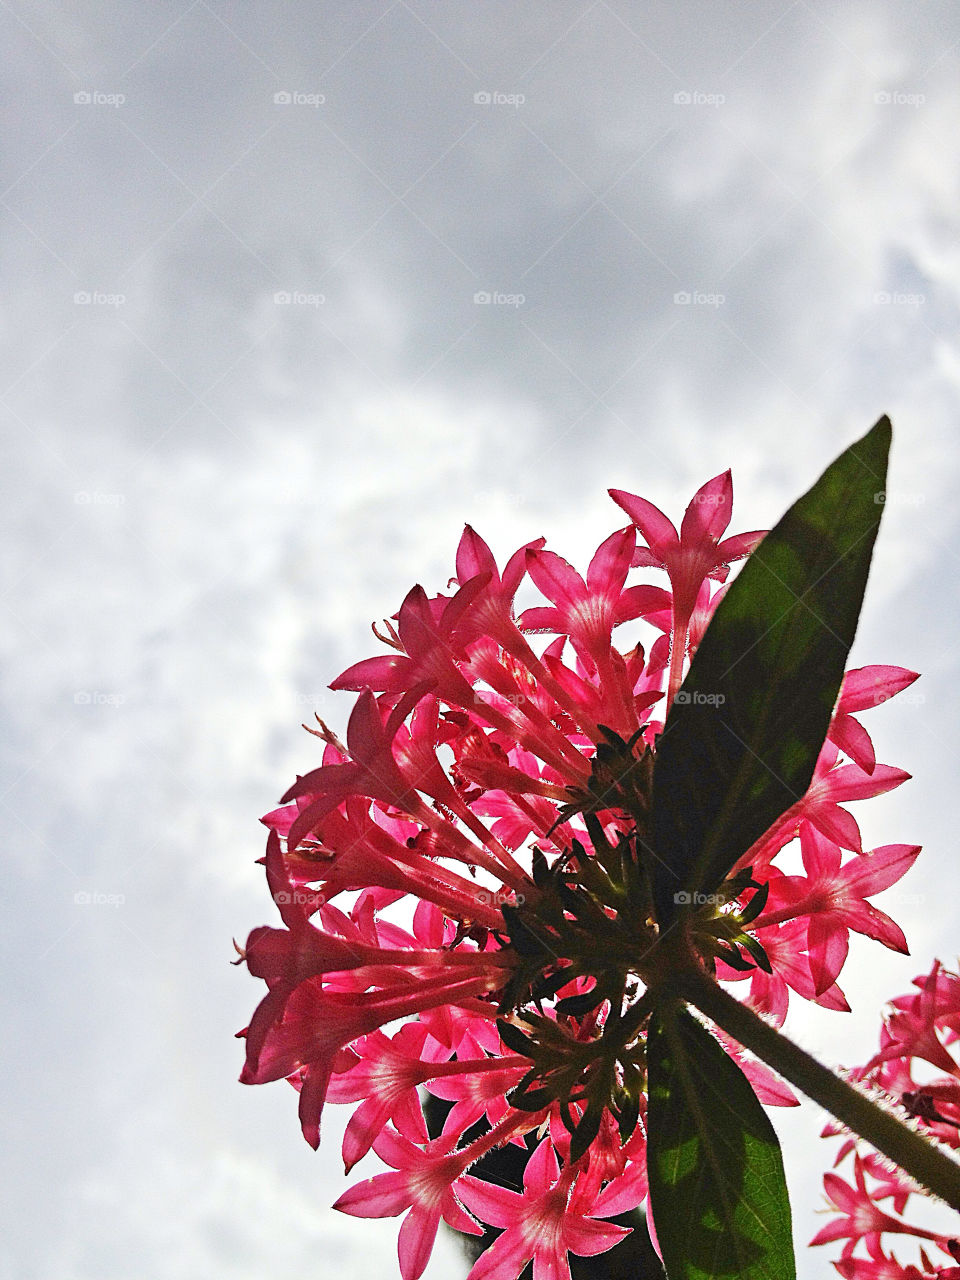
[{"x": 928, "y": 1164}]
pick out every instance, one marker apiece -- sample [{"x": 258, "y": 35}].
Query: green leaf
[
  {"x": 717, "y": 1189},
  {"x": 743, "y": 735}
]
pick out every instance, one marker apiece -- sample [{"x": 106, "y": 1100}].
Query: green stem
[{"x": 927, "y": 1164}]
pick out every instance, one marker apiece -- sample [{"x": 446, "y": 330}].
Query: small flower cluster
[
  {"x": 920, "y": 1032},
  {"x": 464, "y": 889}
]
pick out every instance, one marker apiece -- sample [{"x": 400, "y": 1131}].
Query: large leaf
[
  {"x": 717, "y": 1190},
  {"x": 743, "y": 735}
]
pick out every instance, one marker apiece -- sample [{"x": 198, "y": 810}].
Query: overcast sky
[{"x": 251, "y": 390}]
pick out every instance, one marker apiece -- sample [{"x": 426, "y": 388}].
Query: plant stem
[{"x": 928, "y": 1164}]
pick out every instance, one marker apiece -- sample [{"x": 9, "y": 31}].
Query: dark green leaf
[
  {"x": 586, "y": 1130},
  {"x": 514, "y": 1039},
  {"x": 717, "y": 1189},
  {"x": 743, "y": 735}
]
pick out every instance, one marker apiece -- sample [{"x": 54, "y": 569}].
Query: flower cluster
[
  {"x": 917, "y": 1072},
  {"x": 464, "y": 890}
]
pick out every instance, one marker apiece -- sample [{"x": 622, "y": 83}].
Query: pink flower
[
  {"x": 833, "y": 898},
  {"x": 423, "y": 1186},
  {"x": 462, "y": 899},
  {"x": 545, "y": 1223},
  {"x": 690, "y": 556},
  {"x": 919, "y": 1026},
  {"x": 861, "y": 1217},
  {"x": 863, "y": 688}
]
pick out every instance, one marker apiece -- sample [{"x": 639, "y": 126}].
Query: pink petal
[
  {"x": 644, "y": 558},
  {"x": 408, "y": 1117},
  {"x": 395, "y": 1150},
  {"x": 740, "y": 545},
  {"x": 873, "y": 872},
  {"x": 828, "y": 941},
  {"x": 659, "y": 532},
  {"x": 542, "y": 1169},
  {"x": 555, "y": 578},
  {"x": 709, "y": 511},
  {"x": 550, "y": 1265},
  {"x": 641, "y": 600},
  {"x": 866, "y": 687},
  {"x": 495, "y": 1205},
  {"x": 821, "y": 855},
  {"x": 517, "y": 567},
  {"x": 587, "y": 1237},
  {"x": 623, "y": 1193},
  {"x": 839, "y": 825},
  {"x": 873, "y": 923},
  {"x": 365, "y": 1125},
  {"x": 542, "y": 618},
  {"x": 473, "y": 557},
  {"x": 504, "y": 1259},
  {"x": 383, "y": 1196},
  {"x": 849, "y": 782},
  {"x": 610, "y": 565},
  {"x": 851, "y": 737},
  {"x": 416, "y": 1240},
  {"x": 386, "y": 674}
]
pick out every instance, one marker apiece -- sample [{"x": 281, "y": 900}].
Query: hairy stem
[{"x": 928, "y": 1164}]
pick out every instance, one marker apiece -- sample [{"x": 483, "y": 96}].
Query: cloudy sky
[{"x": 291, "y": 291}]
